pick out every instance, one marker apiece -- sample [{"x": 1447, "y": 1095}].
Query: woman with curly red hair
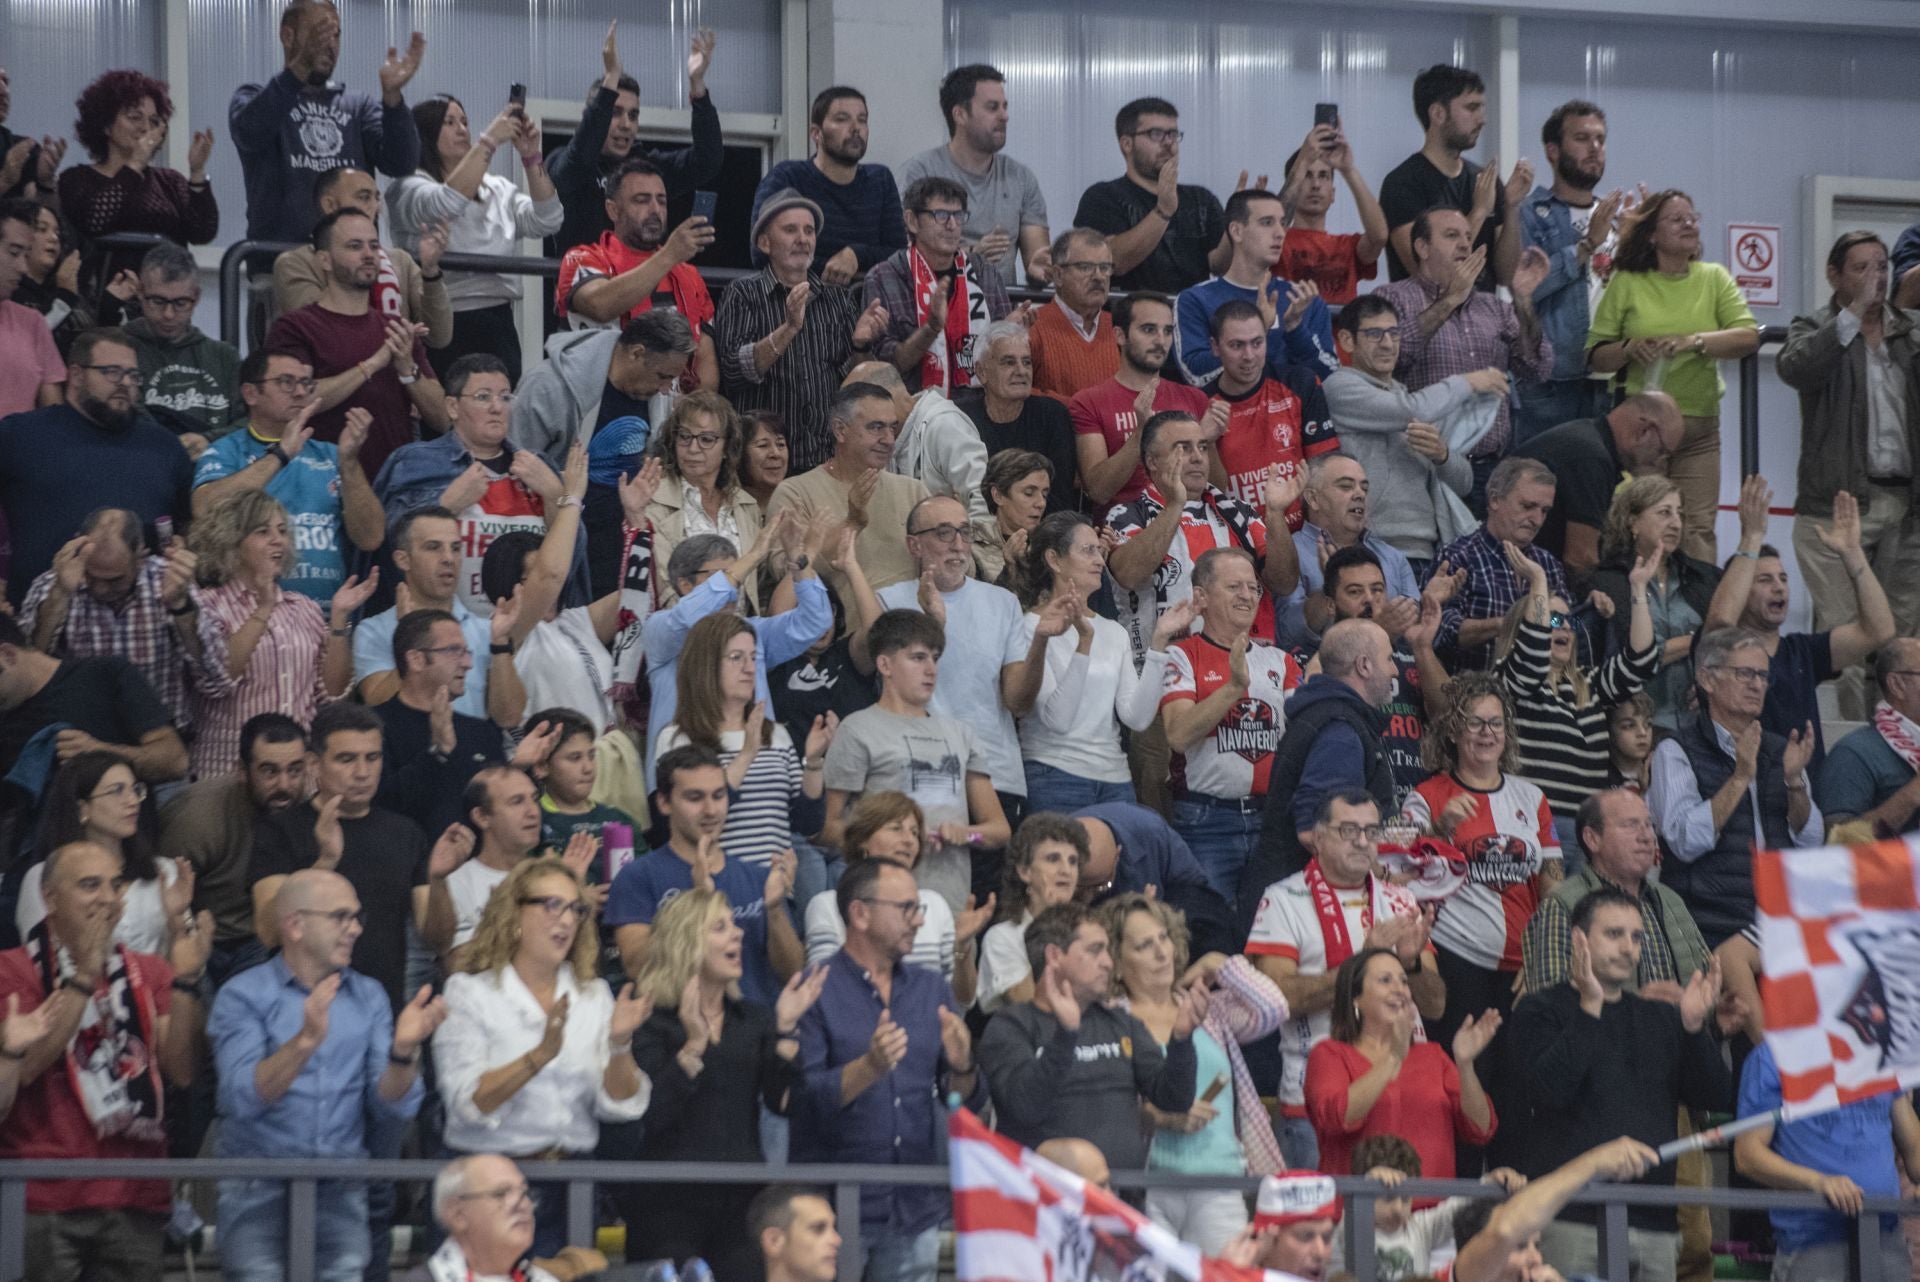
[{"x": 122, "y": 122}]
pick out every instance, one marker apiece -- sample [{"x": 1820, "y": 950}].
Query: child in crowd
[
  {"x": 1630, "y": 725},
  {"x": 1410, "y": 1244},
  {"x": 566, "y": 780}
]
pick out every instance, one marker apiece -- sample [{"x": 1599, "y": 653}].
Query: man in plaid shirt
[
  {"x": 105, "y": 595},
  {"x": 1622, "y": 848},
  {"x": 1519, "y": 495}
]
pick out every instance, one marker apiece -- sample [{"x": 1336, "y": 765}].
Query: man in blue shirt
[
  {"x": 693, "y": 799},
  {"x": 1854, "y": 1151},
  {"x": 863, "y": 223},
  {"x": 306, "y": 1050},
  {"x": 1300, "y": 328},
  {"x": 1131, "y": 848},
  {"x": 322, "y": 486},
  {"x": 1337, "y": 508},
  {"x": 881, "y": 1046}
]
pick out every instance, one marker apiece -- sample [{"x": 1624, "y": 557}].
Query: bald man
[
  {"x": 1332, "y": 744},
  {"x": 1591, "y": 457},
  {"x": 122, "y": 1023},
  {"x": 938, "y": 445},
  {"x": 1082, "y": 1157},
  {"x": 308, "y": 1095},
  {"x": 486, "y": 1206}
]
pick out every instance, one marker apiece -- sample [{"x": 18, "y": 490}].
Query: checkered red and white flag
[
  {"x": 1840, "y": 932},
  {"x": 1020, "y": 1218}
]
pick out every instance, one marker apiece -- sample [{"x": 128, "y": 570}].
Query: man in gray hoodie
[
  {"x": 191, "y": 382},
  {"x": 1397, "y": 434},
  {"x": 939, "y": 446},
  {"x": 594, "y": 387}
]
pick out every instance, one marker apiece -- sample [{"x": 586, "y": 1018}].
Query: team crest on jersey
[
  {"x": 1498, "y": 859},
  {"x": 1250, "y": 731}
]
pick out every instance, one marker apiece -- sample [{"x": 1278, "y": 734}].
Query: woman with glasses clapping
[
  {"x": 699, "y": 448},
  {"x": 536, "y": 1051}
]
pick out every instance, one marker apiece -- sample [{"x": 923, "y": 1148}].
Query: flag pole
[{"x": 1716, "y": 1135}]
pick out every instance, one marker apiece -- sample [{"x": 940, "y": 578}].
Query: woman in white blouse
[
  {"x": 536, "y": 1051},
  {"x": 483, "y": 214},
  {"x": 1077, "y": 685},
  {"x": 890, "y": 826},
  {"x": 95, "y": 798},
  {"x": 1043, "y": 869},
  {"x": 699, "y": 447}
]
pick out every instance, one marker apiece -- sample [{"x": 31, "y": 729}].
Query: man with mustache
[
  {"x": 100, "y": 434},
  {"x": 1573, "y": 227},
  {"x": 1073, "y": 337},
  {"x": 863, "y": 223},
  {"x": 1520, "y": 493},
  {"x": 302, "y": 123}
]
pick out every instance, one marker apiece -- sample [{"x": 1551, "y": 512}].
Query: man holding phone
[{"x": 1336, "y": 264}]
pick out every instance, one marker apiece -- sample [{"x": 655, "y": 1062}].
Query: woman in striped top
[
  {"x": 263, "y": 650},
  {"x": 1560, "y": 708},
  {"x": 890, "y": 826},
  {"x": 776, "y": 794}
]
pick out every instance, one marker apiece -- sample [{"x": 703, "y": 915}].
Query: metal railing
[
  {"x": 303, "y": 1177},
  {"x": 1750, "y": 401}
]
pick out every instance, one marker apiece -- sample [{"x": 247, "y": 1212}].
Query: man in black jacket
[
  {"x": 1594, "y": 1061},
  {"x": 605, "y": 139}
]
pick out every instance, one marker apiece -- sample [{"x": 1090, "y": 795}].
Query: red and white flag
[
  {"x": 1020, "y": 1218},
  {"x": 1840, "y": 931}
]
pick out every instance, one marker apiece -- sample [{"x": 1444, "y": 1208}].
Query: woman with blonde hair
[
  {"x": 1560, "y": 706},
  {"x": 536, "y": 1051},
  {"x": 1645, "y": 519},
  {"x": 1226, "y": 1132},
  {"x": 714, "y": 1060},
  {"x": 1668, "y": 319},
  {"x": 262, "y": 649},
  {"x": 890, "y": 826},
  {"x": 699, "y": 447},
  {"x": 777, "y": 793}
]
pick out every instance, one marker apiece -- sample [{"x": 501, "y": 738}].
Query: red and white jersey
[
  {"x": 1236, "y": 757},
  {"x": 1270, "y": 432},
  {"x": 1288, "y": 925},
  {"x": 1212, "y": 520},
  {"x": 681, "y": 289},
  {"x": 1505, "y": 840},
  {"x": 504, "y": 506}
]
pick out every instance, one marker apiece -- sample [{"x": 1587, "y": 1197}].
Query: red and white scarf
[
  {"x": 113, "y": 1058},
  {"x": 1902, "y": 735},
  {"x": 1333, "y": 918},
  {"x": 387, "y": 299},
  {"x": 948, "y": 363}
]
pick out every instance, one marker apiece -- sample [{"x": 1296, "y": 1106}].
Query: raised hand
[
  {"x": 1645, "y": 570},
  {"x": 440, "y": 721},
  {"x": 1746, "y": 751},
  {"x": 353, "y": 594},
  {"x": 699, "y": 61},
  {"x": 578, "y": 856},
  {"x": 398, "y": 69},
  {"x": 1519, "y": 182},
  {"x": 888, "y": 1045},
  {"x": 1580, "y": 974},
  {"x": 454, "y": 847},
  {"x": 1841, "y": 535},
  {"x": 329, "y": 841},
  {"x": 316, "y": 1009},
  {"x": 1143, "y": 402},
  {"x": 1421, "y": 632},
  {"x": 688, "y": 239},
  {"x": 1485, "y": 184},
  {"x": 797, "y": 299},
  {"x": 1237, "y": 674},
  {"x": 1756, "y": 497},
  {"x": 610, "y": 51},
  {"x": 974, "y": 920},
  {"x": 860, "y": 497},
  {"x": 780, "y": 872},
  {"x": 798, "y": 997},
  {"x": 417, "y": 1020},
  {"x": 1304, "y": 294},
  {"x": 555, "y": 1034},
  {"x": 192, "y": 945},
  {"x": 502, "y": 129},
  {"x": 820, "y": 735},
  {"x": 871, "y": 325},
  {"x": 937, "y": 307},
  {"x": 1798, "y": 754},
  {"x": 1173, "y": 623},
  {"x": 932, "y": 604},
  {"x": 1055, "y": 617},
  {"x": 402, "y": 600},
  {"x": 536, "y": 746},
  {"x": 1065, "y": 1006},
  {"x": 1445, "y": 583},
  {"x": 703, "y": 861},
  {"x": 1474, "y": 1036},
  {"x": 637, "y": 491},
  {"x": 1525, "y": 568},
  {"x": 353, "y": 432},
  {"x": 630, "y": 1010},
  {"x": 1600, "y": 222},
  {"x": 1166, "y": 189},
  {"x": 956, "y": 1043},
  {"x": 433, "y": 243},
  {"x": 17, "y": 1031},
  {"x": 1213, "y": 424},
  {"x": 177, "y": 895},
  {"x": 1466, "y": 276},
  {"x": 1530, "y": 271},
  {"x": 199, "y": 152},
  {"x": 694, "y": 1020},
  {"x": 1701, "y": 996},
  {"x": 1278, "y": 493}
]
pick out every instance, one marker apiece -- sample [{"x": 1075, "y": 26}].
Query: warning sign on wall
[{"x": 1753, "y": 256}]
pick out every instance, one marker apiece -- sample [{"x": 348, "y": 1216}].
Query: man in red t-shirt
[
  {"x": 363, "y": 358},
  {"x": 637, "y": 267},
  {"x": 1106, "y": 415},
  {"x": 1273, "y": 426},
  {"x": 1337, "y": 263},
  {"x": 105, "y": 1025}
]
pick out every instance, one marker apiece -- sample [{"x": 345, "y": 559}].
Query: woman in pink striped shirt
[{"x": 264, "y": 650}]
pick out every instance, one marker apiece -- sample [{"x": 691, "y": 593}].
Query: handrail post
[
  {"x": 1864, "y": 1248},
  {"x": 1750, "y": 414},
  {"x": 580, "y": 1213},
  {"x": 846, "y": 1212},
  {"x": 232, "y": 265},
  {"x": 1360, "y": 1256},
  {"x": 1616, "y": 1248},
  {"x": 302, "y": 1224},
  {"x": 13, "y": 1229}
]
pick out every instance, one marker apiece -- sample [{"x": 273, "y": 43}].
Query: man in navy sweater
[
  {"x": 301, "y": 123},
  {"x": 862, "y": 206},
  {"x": 1300, "y": 328}
]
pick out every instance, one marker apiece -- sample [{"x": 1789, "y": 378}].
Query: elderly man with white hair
[
  {"x": 486, "y": 1206},
  {"x": 1009, "y": 416}
]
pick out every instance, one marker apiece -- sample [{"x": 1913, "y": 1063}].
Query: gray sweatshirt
[
  {"x": 1372, "y": 419},
  {"x": 1048, "y": 1083}
]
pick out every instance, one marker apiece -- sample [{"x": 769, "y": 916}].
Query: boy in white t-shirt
[{"x": 1409, "y": 1243}]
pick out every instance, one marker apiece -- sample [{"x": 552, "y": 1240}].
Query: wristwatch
[
  {"x": 500, "y": 647},
  {"x": 408, "y": 380}
]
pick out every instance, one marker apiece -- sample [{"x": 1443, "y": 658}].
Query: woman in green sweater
[{"x": 1668, "y": 319}]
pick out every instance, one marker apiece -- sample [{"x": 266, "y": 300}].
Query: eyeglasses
[
  {"x": 508, "y": 1197},
  {"x": 153, "y": 302},
  {"x": 1160, "y": 135},
  {"x": 289, "y": 383},
  {"x": 119, "y": 790},
  {"x": 118, "y": 373},
  {"x": 487, "y": 400},
  {"x": 1904, "y": 672},
  {"x": 1380, "y": 333},
  {"x": 462, "y": 651},
  {"x": 945, "y": 217},
  {"x": 554, "y": 905},
  {"x": 911, "y": 909},
  {"x": 1680, "y": 220},
  {"x": 1747, "y": 676},
  {"x": 339, "y": 917},
  {"x": 744, "y": 659},
  {"x": 942, "y": 533},
  {"x": 1352, "y": 832},
  {"x": 1483, "y": 725},
  {"x": 1088, "y": 269},
  {"x": 702, "y": 441}
]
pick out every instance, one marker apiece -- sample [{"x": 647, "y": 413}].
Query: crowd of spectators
[{"x": 1206, "y": 718}]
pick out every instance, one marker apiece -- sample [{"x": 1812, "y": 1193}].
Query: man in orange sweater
[{"x": 1073, "y": 344}]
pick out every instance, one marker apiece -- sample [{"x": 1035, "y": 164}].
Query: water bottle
[{"x": 616, "y": 847}]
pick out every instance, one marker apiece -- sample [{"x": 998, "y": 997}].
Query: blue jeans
[
  {"x": 253, "y": 1231},
  {"x": 1050, "y": 788},
  {"x": 1545, "y": 405},
  {"x": 1298, "y": 1144},
  {"x": 893, "y": 1258},
  {"x": 1221, "y": 832}
]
